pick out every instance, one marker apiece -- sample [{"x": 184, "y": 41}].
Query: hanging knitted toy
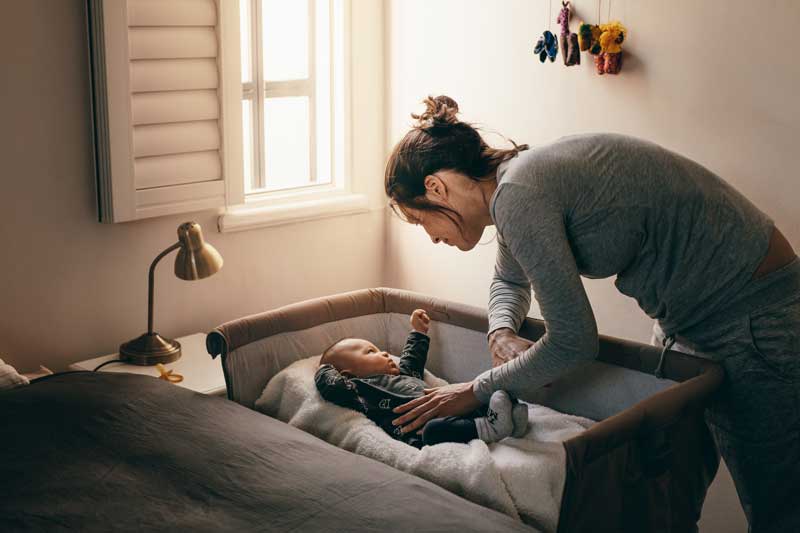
[
  {"x": 587, "y": 36},
  {"x": 570, "y": 50},
  {"x": 609, "y": 60},
  {"x": 546, "y": 46}
]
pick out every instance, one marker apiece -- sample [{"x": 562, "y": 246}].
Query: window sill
[{"x": 246, "y": 218}]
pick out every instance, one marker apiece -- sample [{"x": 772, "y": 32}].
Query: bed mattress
[{"x": 99, "y": 452}]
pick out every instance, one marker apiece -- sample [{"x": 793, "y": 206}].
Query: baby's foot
[
  {"x": 497, "y": 424},
  {"x": 519, "y": 415}
]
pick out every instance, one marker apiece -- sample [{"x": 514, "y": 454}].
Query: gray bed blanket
[{"x": 98, "y": 452}]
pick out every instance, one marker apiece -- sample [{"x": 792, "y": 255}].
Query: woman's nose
[{"x": 436, "y": 240}]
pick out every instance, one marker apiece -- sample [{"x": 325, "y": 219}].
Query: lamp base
[{"x": 150, "y": 349}]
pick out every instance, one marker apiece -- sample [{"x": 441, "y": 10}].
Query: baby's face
[{"x": 360, "y": 358}]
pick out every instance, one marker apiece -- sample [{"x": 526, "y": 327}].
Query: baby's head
[{"x": 358, "y": 358}]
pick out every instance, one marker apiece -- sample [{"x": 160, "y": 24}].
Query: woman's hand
[
  {"x": 505, "y": 345},
  {"x": 451, "y": 400}
]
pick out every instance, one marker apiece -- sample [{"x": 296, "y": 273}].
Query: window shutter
[{"x": 165, "y": 141}]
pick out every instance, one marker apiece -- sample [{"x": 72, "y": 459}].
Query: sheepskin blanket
[{"x": 523, "y": 478}]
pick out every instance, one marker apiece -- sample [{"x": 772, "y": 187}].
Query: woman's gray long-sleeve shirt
[{"x": 680, "y": 240}]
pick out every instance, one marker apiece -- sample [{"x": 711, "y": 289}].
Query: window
[
  {"x": 292, "y": 65},
  {"x": 239, "y": 105}
]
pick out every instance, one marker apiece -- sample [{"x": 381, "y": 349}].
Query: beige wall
[
  {"x": 72, "y": 288},
  {"x": 714, "y": 80}
]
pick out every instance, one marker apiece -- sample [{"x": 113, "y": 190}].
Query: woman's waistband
[{"x": 777, "y": 286}]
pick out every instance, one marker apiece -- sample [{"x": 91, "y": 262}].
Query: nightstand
[{"x": 200, "y": 372}]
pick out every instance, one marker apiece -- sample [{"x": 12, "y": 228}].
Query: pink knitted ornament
[{"x": 570, "y": 50}]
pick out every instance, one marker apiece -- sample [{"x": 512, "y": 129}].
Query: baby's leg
[
  {"x": 449, "y": 429},
  {"x": 504, "y": 417}
]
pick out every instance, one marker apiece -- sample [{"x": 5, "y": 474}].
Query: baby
[{"x": 353, "y": 373}]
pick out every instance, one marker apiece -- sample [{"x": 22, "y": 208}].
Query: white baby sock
[
  {"x": 497, "y": 424},
  {"x": 519, "y": 414}
]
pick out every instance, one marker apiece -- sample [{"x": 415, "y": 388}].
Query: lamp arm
[{"x": 151, "y": 282}]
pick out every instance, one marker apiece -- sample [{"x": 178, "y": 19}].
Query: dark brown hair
[{"x": 439, "y": 141}]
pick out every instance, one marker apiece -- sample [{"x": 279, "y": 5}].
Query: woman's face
[
  {"x": 463, "y": 214},
  {"x": 444, "y": 227}
]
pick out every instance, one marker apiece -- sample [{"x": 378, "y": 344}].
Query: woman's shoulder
[
  {"x": 541, "y": 160},
  {"x": 541, "y": 166},
  {"x": 573, "y": 159},
  {"x": 523, "y": 193},
  {"x": 551, "y": 175}
]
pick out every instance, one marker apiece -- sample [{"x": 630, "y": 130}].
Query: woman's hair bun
[{"x": 439, "y": 111}]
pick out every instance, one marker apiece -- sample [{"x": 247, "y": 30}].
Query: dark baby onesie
[{"x": 377, "y": 395}]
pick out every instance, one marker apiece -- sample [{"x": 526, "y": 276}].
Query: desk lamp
[{"x": 196, "y": 259}]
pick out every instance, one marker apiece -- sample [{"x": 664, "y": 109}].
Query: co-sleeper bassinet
[{"x": 645, "y": 466}]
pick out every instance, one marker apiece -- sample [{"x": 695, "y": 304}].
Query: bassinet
[{"x": 646, "y": 464}]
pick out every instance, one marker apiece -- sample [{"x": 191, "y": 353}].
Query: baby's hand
[{"x": 420, "y": 321}]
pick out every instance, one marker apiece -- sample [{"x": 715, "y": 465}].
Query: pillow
[{"x": 9, "y": 377}]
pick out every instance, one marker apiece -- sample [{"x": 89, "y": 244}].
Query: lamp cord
[{"x": 101, "y": 365}]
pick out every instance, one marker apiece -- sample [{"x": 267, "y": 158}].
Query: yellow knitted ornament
[{"x": 611, "y": 37}]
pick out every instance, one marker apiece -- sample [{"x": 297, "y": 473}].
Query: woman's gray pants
[{"x": 755, "y": 416}]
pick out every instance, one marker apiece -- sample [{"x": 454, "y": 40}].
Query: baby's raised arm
[
  {"x": 420, "y": 321},
  {"x": 415, "y": 352}
]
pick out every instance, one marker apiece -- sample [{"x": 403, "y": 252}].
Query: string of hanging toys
[{"x": 603, "y": 41}]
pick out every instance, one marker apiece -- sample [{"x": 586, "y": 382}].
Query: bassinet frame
[{"x": 645, "y": 466}]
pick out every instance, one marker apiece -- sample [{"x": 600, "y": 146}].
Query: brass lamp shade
[{"x": 196, "y": 260}]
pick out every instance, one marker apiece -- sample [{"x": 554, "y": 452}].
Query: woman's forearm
[
  {"x": 541, "y": 364},
  {"x": 509, "y": 303},
  {"x": 510, "y": 291}
]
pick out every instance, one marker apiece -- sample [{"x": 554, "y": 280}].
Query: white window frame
[{"x": 268, "y": 208}]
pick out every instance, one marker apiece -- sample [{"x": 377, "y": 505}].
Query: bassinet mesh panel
[{"x": 597, "y": 390}]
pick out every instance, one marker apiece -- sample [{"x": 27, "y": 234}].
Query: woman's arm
[
  {"x": 455, "y": 399},
  {"x": 509, "y": 293},
  {"x": 536, "y": 237},
  {"x": 509, "y": 303}
]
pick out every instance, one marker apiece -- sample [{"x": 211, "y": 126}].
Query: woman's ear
[{"x": 435, "y": 188}]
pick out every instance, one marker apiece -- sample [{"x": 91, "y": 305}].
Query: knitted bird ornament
[
  {"x": 546, "y": 46},
  {"x": 570, "y": 50}
]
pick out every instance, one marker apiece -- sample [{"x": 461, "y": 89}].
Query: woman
[{"x": 718, "y": 277}]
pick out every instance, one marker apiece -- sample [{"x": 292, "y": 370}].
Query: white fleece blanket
[{"x": 523, "y": 478}]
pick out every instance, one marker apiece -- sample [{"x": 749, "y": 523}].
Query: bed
[
  {"x": 644, "y": 466},
  {"x": 86, "y": 451}
]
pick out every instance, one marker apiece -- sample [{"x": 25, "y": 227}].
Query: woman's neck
[{"x": 486, "y": 188}]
